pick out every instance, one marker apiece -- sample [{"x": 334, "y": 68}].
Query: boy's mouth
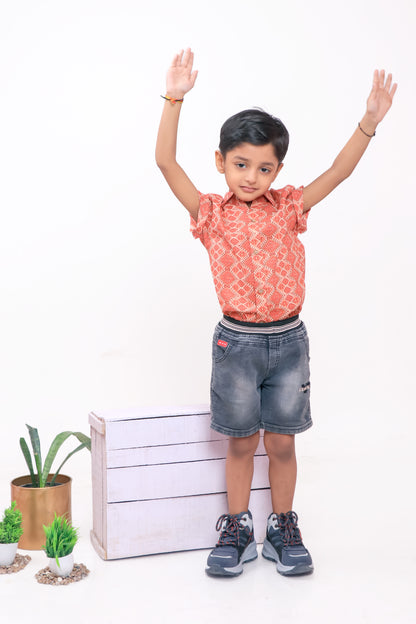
[{"x": 248, "y": 189}]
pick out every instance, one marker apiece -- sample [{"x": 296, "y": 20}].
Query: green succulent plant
[
  {"x": 40, "y": 478},
  {"x": 61, "y": 538},
  {"x": 11, "y": 525}
]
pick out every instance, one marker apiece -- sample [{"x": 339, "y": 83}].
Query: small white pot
[
  {"x": 7, "y": 554},
  {"x": 66, "y": 565}
]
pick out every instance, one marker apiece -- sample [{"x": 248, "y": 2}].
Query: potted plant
[
  {"x": 10, "y": 533},
  {"x": 61, "y": 538},
  {"x": 43, "y": 492}
]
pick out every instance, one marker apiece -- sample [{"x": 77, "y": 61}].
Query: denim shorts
[{"x": 260, "y": 381}]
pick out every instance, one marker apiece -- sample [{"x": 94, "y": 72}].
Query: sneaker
[
  {"x": 283, "y": 544},
  {"x": 235, "y": 546}
]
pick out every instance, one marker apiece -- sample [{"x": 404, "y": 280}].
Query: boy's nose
[{"x": 250, "y": 176}]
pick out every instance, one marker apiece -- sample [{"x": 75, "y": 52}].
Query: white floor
[{"x": 364, "y": 555}]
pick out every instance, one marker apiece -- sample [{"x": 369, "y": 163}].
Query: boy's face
[{"x": 249, "y": 169}]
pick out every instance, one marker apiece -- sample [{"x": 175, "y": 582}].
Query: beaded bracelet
[
  {"x": 370, "y": 136},
  {"x": 171, "y": 100}
]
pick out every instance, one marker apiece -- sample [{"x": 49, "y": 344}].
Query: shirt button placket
[{"x": 254, "y": 242}]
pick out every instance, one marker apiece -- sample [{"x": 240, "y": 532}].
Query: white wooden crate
[{"x": 158, "y": 478}]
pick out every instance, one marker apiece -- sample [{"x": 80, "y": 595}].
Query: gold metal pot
[{"x": 38, "y": 507}]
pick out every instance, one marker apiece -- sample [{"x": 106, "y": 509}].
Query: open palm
[
  {"x": 381, "y": 96},
  {"x": 180, "y": 78}
]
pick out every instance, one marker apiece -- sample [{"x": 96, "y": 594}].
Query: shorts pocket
[{"x": 221, "y": 348}]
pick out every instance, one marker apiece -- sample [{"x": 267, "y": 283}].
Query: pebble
[
  {"x": 46, "y": 577},
  {"x": 19, "y": 563}
]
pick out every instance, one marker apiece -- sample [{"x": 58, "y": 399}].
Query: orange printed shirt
[{"x": 257, "y": 260}]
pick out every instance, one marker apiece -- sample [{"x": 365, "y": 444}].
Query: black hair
[{"x": 257, "y": 127}]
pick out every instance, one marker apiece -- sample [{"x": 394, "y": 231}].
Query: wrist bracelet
[
  {"x": 171, "y": 100},
  {"x": 370, "y": 136}
]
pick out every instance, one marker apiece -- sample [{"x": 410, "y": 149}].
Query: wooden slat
[
  {"x": 172, "y": 453},
  {"x": 169, "y": 525},
  {"x": 160, "y": 431},
  {"x": 153, "y": 411},
  {"x": 97, "y": 545},
  {"x": 175, "y": 480},
  {"x": 97, "y": 423},
  {"x": 99, "y": 486}
]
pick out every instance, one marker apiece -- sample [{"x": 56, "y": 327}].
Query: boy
[{"x": 260, "y": 374}]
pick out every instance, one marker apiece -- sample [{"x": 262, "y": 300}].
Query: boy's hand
[
  {"x": 378, "y": 103},
  {"x": 180, "y": 78},
  {"x": 381, "y": 96}
]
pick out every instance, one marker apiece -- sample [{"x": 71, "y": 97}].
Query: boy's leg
[
  {"x": 283, "y": 543},
  {"x": 280, "y": 449},
  {"x": 236, "y": 544},
  {"x": 239, "y": 468}
]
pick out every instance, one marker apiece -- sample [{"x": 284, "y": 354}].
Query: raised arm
[
  {"x": 378, "y": 103},
  {"x": 180, "y": 79}
]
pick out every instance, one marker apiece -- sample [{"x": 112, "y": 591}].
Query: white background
[{"x": 106, "y": 299}]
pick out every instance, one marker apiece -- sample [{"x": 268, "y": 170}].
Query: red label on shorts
[{"x": 222, "y": 343}]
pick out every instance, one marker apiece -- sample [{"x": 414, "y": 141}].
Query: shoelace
[
  {"x": 230, "y": 532},
  {"x": 288, "y": 523}
]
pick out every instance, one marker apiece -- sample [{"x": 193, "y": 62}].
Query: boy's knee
[
  {"x": 240, "y": 447},
  {"x": 278, "y": 445}
]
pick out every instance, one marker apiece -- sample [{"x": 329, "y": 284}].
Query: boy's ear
[{"x": 219, "y": 161}]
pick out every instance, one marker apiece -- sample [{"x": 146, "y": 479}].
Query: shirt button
[{"x": 260, "y": 291}]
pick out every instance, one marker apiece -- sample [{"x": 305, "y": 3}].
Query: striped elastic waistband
[{"x": 276, "y": 327}]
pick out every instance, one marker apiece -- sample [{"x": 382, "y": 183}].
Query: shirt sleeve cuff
[{"x": 205, "y": 207}]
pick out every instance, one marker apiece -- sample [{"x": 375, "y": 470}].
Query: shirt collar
[{"x": 268, "y": 195}]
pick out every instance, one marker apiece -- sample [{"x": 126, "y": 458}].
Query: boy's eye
[
  {"x": 265, "y": 170},
  {"x": 240, "y": 165}
]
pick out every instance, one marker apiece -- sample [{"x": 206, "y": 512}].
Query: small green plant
[
  {"x": 11, "y": 525},
  {"x": 61, "y": 538},
  {"x": 39, "y": 479}
]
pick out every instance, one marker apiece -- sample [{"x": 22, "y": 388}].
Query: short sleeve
[
  {"x": 297, "y": 202},
  {"x": 291, "y": 199},
  {"x": 204, "y": 215}
]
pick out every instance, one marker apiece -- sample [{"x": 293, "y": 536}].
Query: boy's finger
[
  {"x": 382, "y": 75},
  {"x": 388, "y": 82},
  {"x": 186, "y": 56},
  {"x": 175, "y": 60}
]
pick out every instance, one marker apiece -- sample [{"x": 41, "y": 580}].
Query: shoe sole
[
  {"x": 249, "y": 554},
  {"x": 270, "y": 553}
]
